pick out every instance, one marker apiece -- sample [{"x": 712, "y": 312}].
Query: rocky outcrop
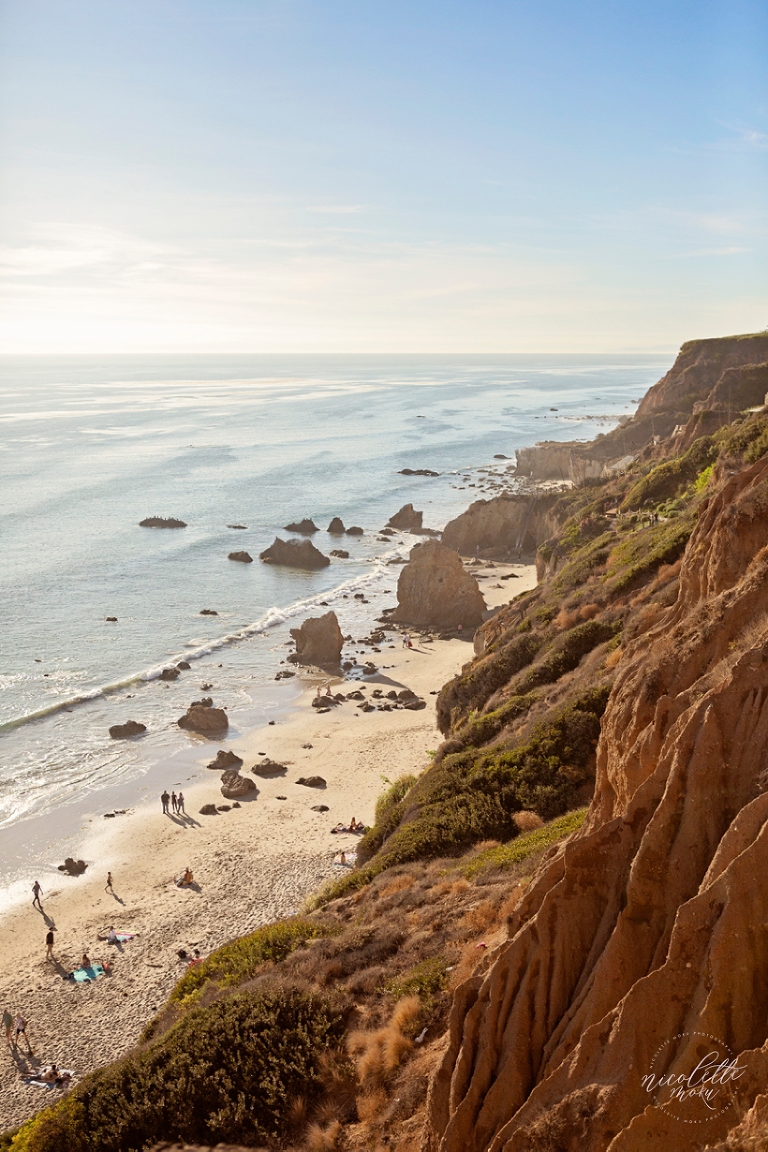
[
  {"x": 125, "y": 731},
  {"x": 340, "y": 554},
  {"x": 504, "y": 527},
  {"x": 417, "y": 472},
  {"x": 73, "y": 867},
  {"x": 224, "y": 760},
  {"x": 406, "y": 520},
  {"x": 311, "y": 781},
  {"x": 336, "y": 527},
  {"x": 726, "y": 375},
  {"x": 294, "y": 554},
  {"x": 319, "y": 641},
  {"x": 169, "y": 674},
  {"x": 203, "y": 718},
  {"x": 355, "y": 530},
  {"x": 235, "y": 787},
  {"x": 161, "y": 522},
  {"x": 268, "y": 768},
  {"x": 638, "y": 947},
  {"x": 208, "y": 612},
  {"x": 303, "y": 527},
  {"x": 435, "y": 591},
  {"x": 241, "y": 557}
]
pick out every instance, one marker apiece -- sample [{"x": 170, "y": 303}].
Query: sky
[{"x": 355, "y": 176}]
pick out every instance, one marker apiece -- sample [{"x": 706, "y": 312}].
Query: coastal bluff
[{"x": 710, "y": 382}]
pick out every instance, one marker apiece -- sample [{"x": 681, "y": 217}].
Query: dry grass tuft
[
  {"x": 406, "y": 1013},
  {"x": 566, "y": 618},
  {"x": 527, "y": 821},
  {"x": 323, "y": 1139},
  {"x": 613, "y": 658},
  {"x": 481, "y": 917},
  {"x": 297, "y": 1114},
  {"x": 589, "y": 611},
  {"x": 399, "y": 884},
  {"x": 371, "y": 1104}
]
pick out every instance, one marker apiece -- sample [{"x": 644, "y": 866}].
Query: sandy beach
[{"x": 251, "y": 865}]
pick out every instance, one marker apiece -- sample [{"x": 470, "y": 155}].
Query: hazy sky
[{"x": 305, "y": 175}]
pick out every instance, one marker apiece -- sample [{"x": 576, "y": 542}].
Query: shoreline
[{"x": 251, "y": 865}]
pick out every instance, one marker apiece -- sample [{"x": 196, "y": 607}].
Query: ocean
[{"x": 89, "y": 446}]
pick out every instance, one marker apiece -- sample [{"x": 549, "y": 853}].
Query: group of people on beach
[{"x": 176, "y": 802}]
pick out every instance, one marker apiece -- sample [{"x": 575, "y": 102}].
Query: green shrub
[
  {"x": 225, "y": 1073},
  {"x": 473, "y": 795},
  {"x": 517, "y": 851},
  {"x": 389, "y": 812},
  {"x": 648, "y": 549},
  {"x": 671, "y": 477},
  {"x": 426, "y": 980},
  {"x": 486, "y": 676},
  {"x": 238, "y": 960},
  {"x": 582, "y": 564},
  {"x": 567, "y": 651}
]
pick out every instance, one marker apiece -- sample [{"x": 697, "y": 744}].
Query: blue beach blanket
[{"x": 85, "y": 975}]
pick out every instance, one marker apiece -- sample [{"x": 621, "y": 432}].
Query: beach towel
[
  {"x": 37, "y": 1083},
  {"x": 85, "y": 975},
  {"x": 121, "y": 936}
]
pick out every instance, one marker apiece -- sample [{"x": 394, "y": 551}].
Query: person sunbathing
[
  {"x": 50, "y": 1074},
  {"x": 112, "y": 936},
  {"x": 85, "y": 962}
]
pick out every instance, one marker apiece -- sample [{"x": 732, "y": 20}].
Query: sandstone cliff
[
  {"x": 502, "y": 528},
  {"x": 645, "y": 932},
  {"x": 435, "y": 591},
  {"x": 725, "y": 375}
]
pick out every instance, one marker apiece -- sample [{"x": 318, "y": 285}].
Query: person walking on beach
[
  {"x": 8, "y": 1025},
  {"x": 49, "y": 944},
  {"x": 165, "y": 798},
  {"x": 36, "y": 890},
  {"x": 21, "y": 1030},
  {"x": 180, "y": 804},
  {"x": 108, "y": 886},
  {"x": 174, "y": 802}
]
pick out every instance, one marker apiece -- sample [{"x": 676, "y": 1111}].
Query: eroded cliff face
[
  {"x": 647, "y": 932},
  {"x": 722, "y": 376},
  {"x": 504, "y": 527}
]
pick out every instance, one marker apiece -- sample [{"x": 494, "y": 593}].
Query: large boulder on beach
[
  {"x": 435, "y": 591},
  {"x": 225, "y": 760},
  {"x": 161, "y": 522},
  {"x": 304, "y": 527},
  {"x": 125, "y": 731},
  {"x": 319, "y": 641},
  {"x": 406, "y": 520},
  {"x": 235, "y": 787},
  {"x": 203, "y": 718},
  {"x": 294, "y": 554}
]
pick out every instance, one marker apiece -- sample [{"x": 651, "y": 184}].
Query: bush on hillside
[{"x": 225, "y": 1073}]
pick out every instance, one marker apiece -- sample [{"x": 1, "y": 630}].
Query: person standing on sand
[
  {"x": 21, "y": 1030},
  {"x": 174, "y": 802},
  {"x": 36, "y": 890},
  {"x": 49, "y": 944},
  {"x": 165, "y": 798},
  {"x": 8, "y": 1025},
  {"x": 180, "y": 804},
  {"x": 108, "y": 886}
]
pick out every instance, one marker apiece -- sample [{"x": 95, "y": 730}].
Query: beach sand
[{"x": 251, "y": 865}]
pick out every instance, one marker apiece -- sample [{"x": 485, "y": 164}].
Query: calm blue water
[{"x": 90, "y": 446}]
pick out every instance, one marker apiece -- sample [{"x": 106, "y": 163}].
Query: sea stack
[
  {"x": 319, "y": 641},
  {"x": 435, "y": 591},
  {"x": 294, "y": 554}
]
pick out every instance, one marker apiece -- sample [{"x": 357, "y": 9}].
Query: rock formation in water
[
  {"x": 304, "y": 527},
  {"x": 294, "y": 554},
  {"x": 336, "y": 527},
  {"x": 640, "y": 945},
  {"x": 124, "y": 731},
  {"x": 406, "y": 520},
  {"x": 241, "y": 557},
  {"x": 435, "y": 591},
  {"x": 319, "y": 641},
  {"x": 161, "y": 522},
  {"x": 203, "y": 718}
]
